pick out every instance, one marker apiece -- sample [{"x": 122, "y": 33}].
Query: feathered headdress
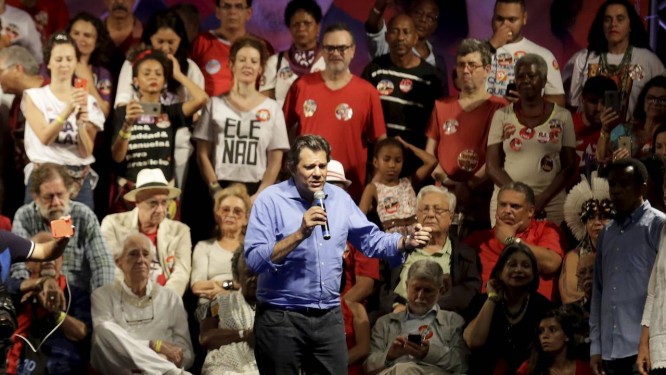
[{"x": 585, "y": 201}]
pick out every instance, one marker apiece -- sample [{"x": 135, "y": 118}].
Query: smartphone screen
[
  {"x": 61, "y": 228},
  {"x": 416, "y": 339},
  {"x": 511, "y": 87}
]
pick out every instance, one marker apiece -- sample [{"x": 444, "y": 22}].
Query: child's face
[{"x": 388, "y": 162}]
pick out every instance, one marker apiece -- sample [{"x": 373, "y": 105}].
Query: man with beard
[
  {"x": 172, "y": 266},
  {"x": 407, "y": 86},
  {"x": 335, "y": 104},
  {"x": 49, "y": 302},
  {"x": 425, "y": 14},
  {"x": 515, "y": 223},
  {"x": 87, "y": 261},
  {"x": 124, "y": 29}
]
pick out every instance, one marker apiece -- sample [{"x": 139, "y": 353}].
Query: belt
[{"x": 306, "y": 311}]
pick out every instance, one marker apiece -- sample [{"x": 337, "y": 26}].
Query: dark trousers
[
  {"x": 287, "y": 342},
  {"x": 622, "y": 366},
  {"x": 659, "y": 371}
]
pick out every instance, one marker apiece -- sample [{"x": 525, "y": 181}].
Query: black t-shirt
[
  {"x": 151, "y": 144},
  {"x": 508, "y": 346},
  {"x": 12, "y": 249}
]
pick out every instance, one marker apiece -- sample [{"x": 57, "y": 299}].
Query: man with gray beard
[{"x": 87, "y": 261}]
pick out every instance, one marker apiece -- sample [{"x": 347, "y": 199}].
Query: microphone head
[{"x": 319, "y": 194}]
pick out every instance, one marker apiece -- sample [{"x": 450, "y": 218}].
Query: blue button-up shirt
[
  {"x": 309, "y": 276},
  {"x": 625, "y": 255}
]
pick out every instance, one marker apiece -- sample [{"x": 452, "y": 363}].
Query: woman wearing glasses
[
  {"x": 303, "y": 18},
  {"x": 532, "y": 141},
  {"x": 138, "y": 325}
]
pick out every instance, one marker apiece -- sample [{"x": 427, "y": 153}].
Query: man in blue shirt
[
  {"x": 626, "y": 251},
  {"x": 299, "y": 323}
]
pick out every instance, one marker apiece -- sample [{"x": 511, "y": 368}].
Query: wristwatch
[
  {"x": 228, "y": 285},
  {"x": 511, "y": 240}
]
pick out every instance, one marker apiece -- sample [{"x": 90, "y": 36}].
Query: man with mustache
[
  {"x": 407, "y": 86},
  {"x": 87, "y": 260},
  {"x": 124, "y": 29},
  {"x": 338, "y": 106},
  {"x": 515, "y": 223},
  {"x": 47, "y": 303}
]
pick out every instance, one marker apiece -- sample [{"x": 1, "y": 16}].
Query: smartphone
[
  {"x": 415, "y": 338},
  {"x": 624, "y": 142},
  {"x": 81, "y": 83},
  {"x": 151, "y": 109},
  {"x": 511, "y": 87},
  {"x": 612, "y": 100},
  {"x": 62, "y": 228}
]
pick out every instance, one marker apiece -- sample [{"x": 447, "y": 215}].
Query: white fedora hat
[
  {"x": 151, "y": 179},
  {"x": 336, "y": 173}
]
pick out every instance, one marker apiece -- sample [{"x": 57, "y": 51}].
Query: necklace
[
  {"x": 517, "y": 314},
  {"x": 612, "y": 70}
]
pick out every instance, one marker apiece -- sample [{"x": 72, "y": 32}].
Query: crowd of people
[{"x": 239, "y": 210}]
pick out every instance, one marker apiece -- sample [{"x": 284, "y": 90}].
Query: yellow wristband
[
  {"x": 158, "y": 346},
  {"x": 124, "y": 135},
  {"x": 61, "y": 317},
  {"x": 59, "y": 120},
  {"x": 493, "y": 296}
]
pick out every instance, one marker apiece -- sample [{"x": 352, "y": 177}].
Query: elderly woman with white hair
[
  {"x": 138, "y": 325},
  {"x": 435, "y": 209},
  {"x": 532, "y": 141}
]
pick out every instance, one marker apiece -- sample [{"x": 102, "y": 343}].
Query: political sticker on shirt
[
  {"x": 518, "y": 54},
  {"x": 213, "y": 66},
  {"x": 636, "y": 72},
  {"x": 344, "y": 112},
  {"x": 556, "y": 124},
  {"x": 516, "y": 144},
  {"x": 163, "y": 121},
  {"x": 504, "y": 59},
  {"x": 309, "y": 107},
  {"x": 543, "y": 137},
  {"x": 170, "y": 263},
  {"x": 547, "y": 164},
  {"x": 508, "y": 130},
  {"x": 554, "y": 136},
  {"x": 501, "y": 76},
  {"x": 391, "y": 204},
  {"x": 385, "y": 87},
  {"x": 468, "y": 160},
  {"x": 104, "y": 87},
  {"x": 263, "y": 115},
  {"x": 406, "y": 85},
  {"x": 527, "y": 133},
  {"x": 285, "y": 73},
  {"x": 450, "y": 126}
]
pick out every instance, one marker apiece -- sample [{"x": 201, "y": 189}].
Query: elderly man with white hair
[
  {"x": 435, "y": 208},
  {"x": 153, "y": 196},
  {"x": 424, "y": 339},
  {"x": 139, "y": 326}
]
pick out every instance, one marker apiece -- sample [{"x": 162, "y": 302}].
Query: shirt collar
[
  {"x": 291, "y": 191},
  {"x": 433, "y": 311},
  {"x": 635, "y": 215}
]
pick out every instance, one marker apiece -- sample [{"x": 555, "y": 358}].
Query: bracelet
[
  {"x": 59, "y": 120},
  {"x": 158, "y": 346},
  {"x": 241, "y": 334},
  {"x": 61, "y": 317},
  {"x": 493, "y": 296},
  {"x": 214, "y": 187},
  {"x": 124, "y": 134},
  {"x": 376, "y": 11}
]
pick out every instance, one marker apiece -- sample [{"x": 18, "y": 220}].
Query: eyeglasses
[
  {"x": 238, "y": 6},
  {"x": 226, "y": 210},
  {"x": 154, "y": 203},
  {"x": 341, "y": 49},
  {"x": 137, "y": 321},
  {"x": 436, "y": 209},
  {"x": 472, "y": 66},
  {"x": 661, "y": 100},
  {"x": 419, "y": 14}
]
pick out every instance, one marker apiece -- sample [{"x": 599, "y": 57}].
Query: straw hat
[{"x": 151, "y": 179}]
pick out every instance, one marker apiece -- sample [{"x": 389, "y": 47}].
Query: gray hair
[
  {"x": 133, "y": 238},
  {"x": 449, "y": 196},
  {"x": 309, "y": 141},
  {"x": 471, "y": 45},
  {"x": 17, "y": 55},
  {"x": 521, "y": 188},
  {"x": 537, "y": 61},
  {"x": 426, "y": 269}
]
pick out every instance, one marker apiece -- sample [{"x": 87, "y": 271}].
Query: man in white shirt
[
  {"x": 509, "y": 44},
  {"x": 19, "y": 28}
]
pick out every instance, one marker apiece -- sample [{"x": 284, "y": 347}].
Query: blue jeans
[
  {"x": 85, "y": 195},
  {"x": 288, "y": 341}
]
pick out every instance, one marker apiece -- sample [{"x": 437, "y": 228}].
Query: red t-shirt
[
  {"x": 541, "y": 233},
  {"x": 6, "y": 224},
  {"x": 586, "y": 140},
  {"x": 348, "y": 118},
  {"x": 462, "y": 136},
  {"x": 49, "y": 15},
  {"x": 357, "y": 264},
  {"x": 582, "y": 368}
]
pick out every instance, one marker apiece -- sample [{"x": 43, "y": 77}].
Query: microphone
[{"x": 319, "y": 197}]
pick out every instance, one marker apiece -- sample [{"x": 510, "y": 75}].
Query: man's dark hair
[
  {"x": 638, "y": 36},
  {"x": 471, "y": 45},
  {"x": 47, "y": 172},
  {"x": 520, "y": 187},
  {"x": 639, "y": 171},
  {"x": 598, "y": 85},
  {"x": 308, "y": 6},
  {"x": 339, "y": 26},
  {"x": 247, "y": 2},
  {"x": 519, "y": 2},
  {"x": 309, "y": 141}
]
